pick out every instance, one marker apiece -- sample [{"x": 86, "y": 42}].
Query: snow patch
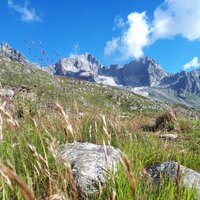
[
  {"x": 111, "y": 81},
  {"x": 141, "y": 91}
]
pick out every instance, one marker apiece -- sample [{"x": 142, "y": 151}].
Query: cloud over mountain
[
  {"x": 171, "y": 18},
  {"x": 194, "y": 63}
]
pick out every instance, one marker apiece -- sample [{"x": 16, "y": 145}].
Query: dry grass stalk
[
  {"x": 105, "y": 128},
  {"x": 57, "y": 197},
  {"x": 113, "y": 197},
  {"x": 178, "y": 177},
  {"x": 66, "y": 135},
  {"x": 26, "y": 192},
  {"x": 38, "y": 159},
  {"x": 100, "y": 189},
  {"x": 45, "y": 170},
  {"x": 53, "y": 148},
  {"x": 34, "y": 121},
  {"x": 71, "y": 182},
  {"x": 67, "y": 122},
  {"x": 105, "y": 149},
  {"x": 96, "y": 127},
  {"x": 127, "y": 165},
  {"x": 1, "y": 128},
  {"x": 8, "y": 115},
  {"x": 90, "y": 132}
]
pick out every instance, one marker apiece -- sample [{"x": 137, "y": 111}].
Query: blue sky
[{"x": 115, "y": 31}]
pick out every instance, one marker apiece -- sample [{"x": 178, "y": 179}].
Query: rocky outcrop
[
  {"x": 7, "y": 51},
  {"x": 90, "y": 164},
  {"x": 189, "y": 177},
  {"x": 77, "y": 64},
  {"x": 142, "y": 72}
]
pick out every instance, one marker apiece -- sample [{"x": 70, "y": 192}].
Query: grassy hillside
[{"x": 33, "y": 126}]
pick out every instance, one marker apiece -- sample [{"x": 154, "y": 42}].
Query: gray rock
[
  {"x": 169, "y": 136},
  {"x": 189, "y": 177},
  {"x": 6, "y": 92},
  {"x": 90, "y": 164}
]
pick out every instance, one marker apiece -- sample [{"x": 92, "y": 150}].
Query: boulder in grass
[
  {"x": 6, "y": 92},
  {"x": 169, "y": 136},
  {"x": 90, "y": 164},
  {"x": 189, "y": 177}
]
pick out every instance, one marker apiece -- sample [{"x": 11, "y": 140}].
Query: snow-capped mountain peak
[{"x": 76, "y": 63}]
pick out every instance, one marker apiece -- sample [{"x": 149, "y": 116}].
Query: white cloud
[
  {"x": 136, "y": 37},
  {"x": 171, "y": 18},
  {"x": 175, "y": 17},
  {"x": 27, "y": 14},
  {"x": 132, "y": 41},
  {"x": 119, "y": 22},
  {"x": 75, "y": 50},
  {"x": 194, "y": 63},
  {"x": 111, "y": 46}
]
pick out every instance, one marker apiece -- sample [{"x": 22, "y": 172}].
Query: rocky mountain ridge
[
  {"x": 144, "y": 76},
  {"x": 13, "y": 54}
]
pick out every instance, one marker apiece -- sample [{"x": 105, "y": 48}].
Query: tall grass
[{"x": 28, "y": 151}]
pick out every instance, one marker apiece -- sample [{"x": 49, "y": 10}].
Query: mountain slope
[
  {"x": 143, "y": 76},
  {"x": 34, "y": 84}
]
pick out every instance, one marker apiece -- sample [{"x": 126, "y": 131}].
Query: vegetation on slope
[{"x": 33, "y": 127}]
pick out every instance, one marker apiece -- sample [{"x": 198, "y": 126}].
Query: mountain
[
  {"x": 36, "y": 87},
  {"x": 184, "y": 82},
  {"x": 13, "y": 54},
  {"x": 84, "y": 67},
  {"x": 142, "y": 72},
  {"x": 182, "y": 87},
  {"x": 144, "y": 76}
]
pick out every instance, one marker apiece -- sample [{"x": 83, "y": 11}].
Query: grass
[
  {"x": 33, "y": 128},
  {"x": 30, "y": 151}
]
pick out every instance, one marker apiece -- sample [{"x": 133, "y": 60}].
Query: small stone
[
  {"x": 6, "y": 92},
  {"x": 169, "y": 136}
]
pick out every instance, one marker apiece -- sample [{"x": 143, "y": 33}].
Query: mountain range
[{"x": 143, "y": 76}]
